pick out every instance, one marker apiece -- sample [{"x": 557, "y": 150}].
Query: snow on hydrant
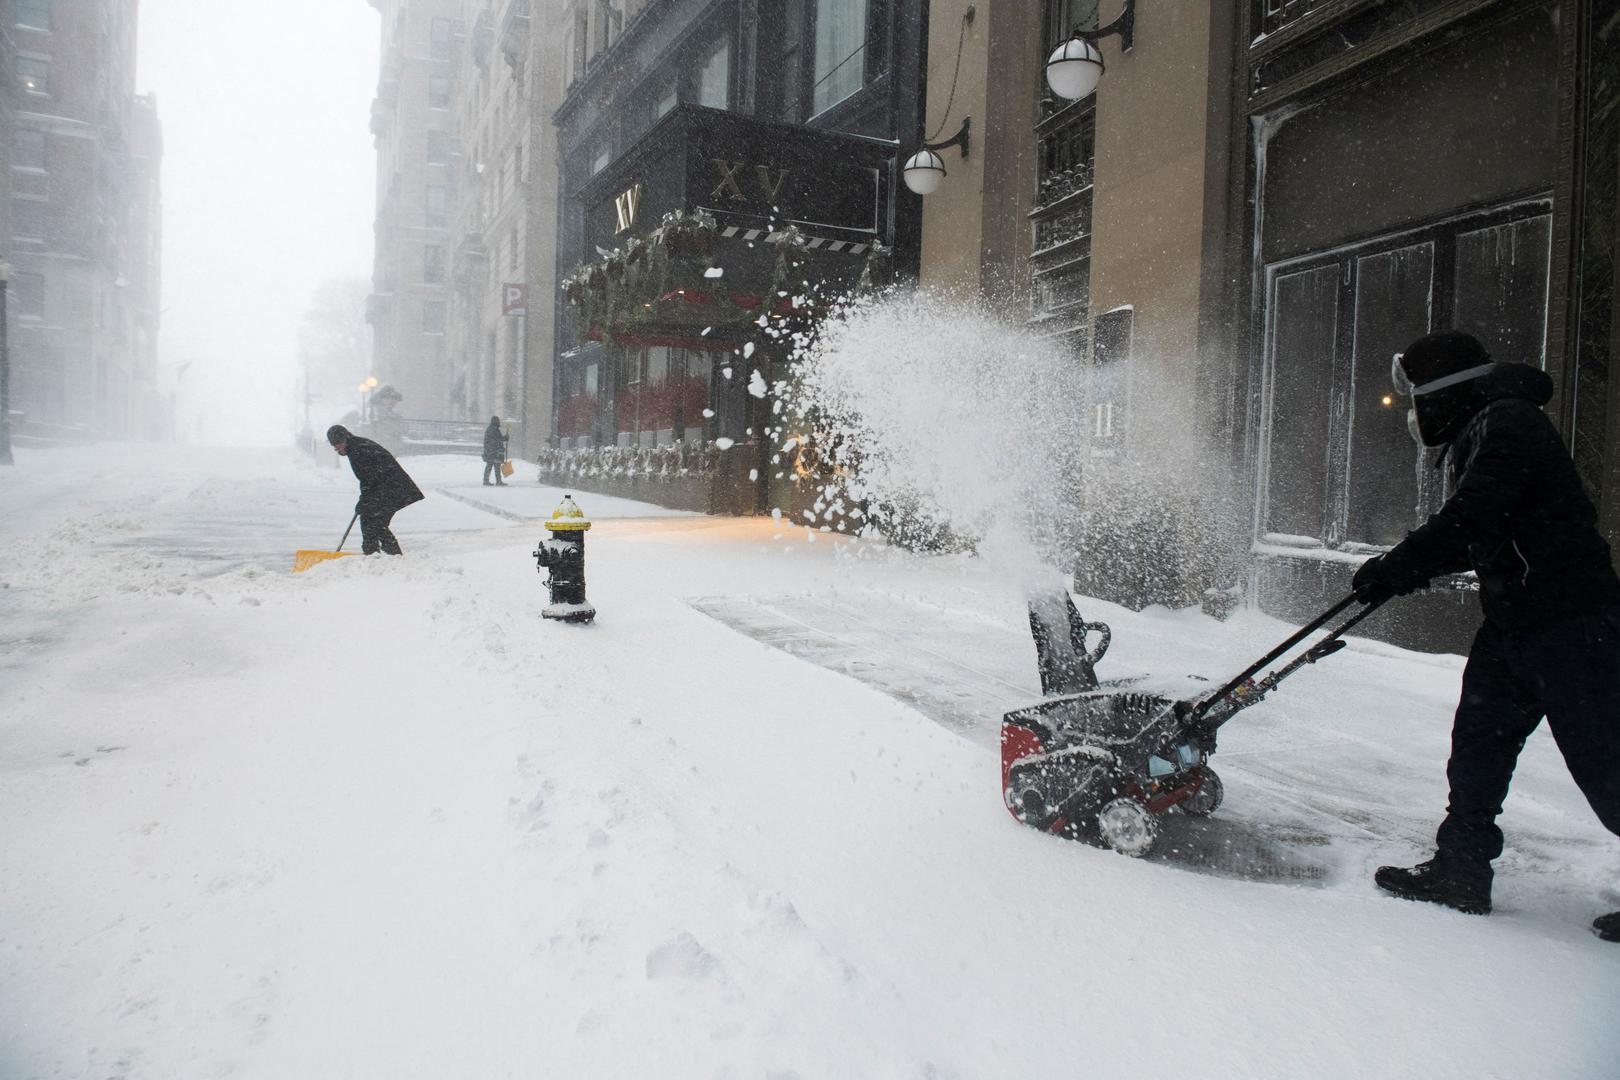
[{"x": 564, "y": 555}]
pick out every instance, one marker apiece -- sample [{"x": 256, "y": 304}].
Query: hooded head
[
  {"x": 494, "y": 421},
  {"x": 337, "y": 435},
  {"x": 1449, "y": 377}
]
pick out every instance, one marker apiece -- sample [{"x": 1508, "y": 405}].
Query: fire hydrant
[{"x": 564, "y": 555}]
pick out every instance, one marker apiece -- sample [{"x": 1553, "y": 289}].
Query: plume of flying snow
[{"x": 956, "y": 427}]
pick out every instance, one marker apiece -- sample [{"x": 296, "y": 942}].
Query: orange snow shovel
[{"x": 306, "y": 558}]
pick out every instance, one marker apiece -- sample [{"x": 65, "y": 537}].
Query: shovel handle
[{"x": 346, "y": 531}]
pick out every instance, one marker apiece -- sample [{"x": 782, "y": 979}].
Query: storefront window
[
  {"x": 1304, "y": 324},
  {"x": 576, "y": 401},
  {"x": 1502, "y": 287},
  {"x": 1340, "y": 467},
  {"x": 714, "y": 78},
  {"x": 840, "y": 67},
  {"x": 1392, "y": 310}
]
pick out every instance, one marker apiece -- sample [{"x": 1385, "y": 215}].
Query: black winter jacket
[
  {"x": 1517, "y": 514},
  {"x": 385, "y": 487},
  {"x": 494, "y": 445}
]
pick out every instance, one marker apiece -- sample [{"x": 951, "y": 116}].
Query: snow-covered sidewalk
[{"x": 380, "y": 820}]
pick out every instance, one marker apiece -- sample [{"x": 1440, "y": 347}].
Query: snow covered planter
[
  {"x": 1140, "y": 547},
  {"x": 677, "y": 475}
]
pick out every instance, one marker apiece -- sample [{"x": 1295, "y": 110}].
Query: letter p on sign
[{"x": 514, "y": 299}]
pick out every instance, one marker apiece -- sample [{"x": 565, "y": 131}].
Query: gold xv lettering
[
  {"x": 625, "y": 207},
  {"x": 730, "y": 185}
]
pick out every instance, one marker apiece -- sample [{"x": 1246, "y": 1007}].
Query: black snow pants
[
  {"x": 375, "y": 533},
  {"x": 1568, "y": 672}
]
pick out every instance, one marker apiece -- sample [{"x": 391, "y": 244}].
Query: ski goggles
[{"x": 1403, "y": 382}]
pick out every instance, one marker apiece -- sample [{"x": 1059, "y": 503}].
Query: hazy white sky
[{"x": 268, "y": 188}]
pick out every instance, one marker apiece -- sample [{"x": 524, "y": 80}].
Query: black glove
[{"x": 1394, "y": 573}]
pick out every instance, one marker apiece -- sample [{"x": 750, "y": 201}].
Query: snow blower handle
[{"x": 1246, "y": 693}]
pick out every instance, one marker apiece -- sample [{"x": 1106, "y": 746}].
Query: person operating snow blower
[
  {"x": 385, "y": 488},
  {"x": 1550, "y": 643}
]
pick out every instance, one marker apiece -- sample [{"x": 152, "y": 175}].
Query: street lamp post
[
  {"x": 367, "y": 385},
  {"x": 5, "y": 369}
]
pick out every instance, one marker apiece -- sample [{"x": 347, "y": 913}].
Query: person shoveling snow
[
  {"x": 385, "y": 488},
  {"x": 1550, "y": 643}
]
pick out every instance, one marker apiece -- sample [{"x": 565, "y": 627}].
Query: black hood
[
  {"x": 1450, "y": 377},
  {"x": 1515, "y": 381},
  {"x": 1442, "y": 415}
]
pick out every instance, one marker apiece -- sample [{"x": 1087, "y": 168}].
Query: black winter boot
[
  {"x": 1607, "y": 926},
  {"x": 1457, "y": 883}
]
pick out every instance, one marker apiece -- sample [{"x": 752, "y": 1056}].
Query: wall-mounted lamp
[
  {"x": 925, "y": 169},
  {"x": 1076, "y": 66}
]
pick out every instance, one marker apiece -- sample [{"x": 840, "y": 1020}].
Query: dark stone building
[{"x": 724, "y": 167}]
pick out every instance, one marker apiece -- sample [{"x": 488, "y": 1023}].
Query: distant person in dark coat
[
  {"x": 494, "y": 451},
  {"x": 385, "y": 488},
  {"x": 1550, "y": 643}
]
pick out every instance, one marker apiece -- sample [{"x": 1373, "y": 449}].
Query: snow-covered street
[{"x": 380, "y": 820}]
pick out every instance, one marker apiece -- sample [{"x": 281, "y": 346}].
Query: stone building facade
[
  {"x": 413, "y": 129},
  {"x": 1262, "y": 202},
  {"x": 466, "y": 206},
  {"x": 84, "y": 211},
  {"x": 503, "y": 206}
]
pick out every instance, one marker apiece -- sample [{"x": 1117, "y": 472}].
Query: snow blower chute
[{"x": 1113, "y": 758}]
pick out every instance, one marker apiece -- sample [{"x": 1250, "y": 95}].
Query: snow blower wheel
[
  {"x": 1128, "y": 827},
  {"x": 1210, "y": 793}
]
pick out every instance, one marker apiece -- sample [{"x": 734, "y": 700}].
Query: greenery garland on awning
[{"x": 664, "y": 288}]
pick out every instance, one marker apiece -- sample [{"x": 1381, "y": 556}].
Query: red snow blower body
[{"x": 1107, "y": 760}]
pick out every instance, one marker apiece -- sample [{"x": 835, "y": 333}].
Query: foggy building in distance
[
  {"x": 724, "y": 169},
  {"x": 1258, "y": 206},
  {"x": 503, "y": 211},
  {"x": 465, "y": 216},
  {"x": 84, "y": 224},
  {"x": 413, "y": 129}
]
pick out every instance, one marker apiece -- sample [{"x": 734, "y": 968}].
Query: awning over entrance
[{"x": 715, "y": 223}]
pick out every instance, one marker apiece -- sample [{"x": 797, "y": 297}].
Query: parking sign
[{"x": 514, "y": 299}]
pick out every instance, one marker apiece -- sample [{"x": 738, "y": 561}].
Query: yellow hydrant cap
[{"x": 568, "y": 517}]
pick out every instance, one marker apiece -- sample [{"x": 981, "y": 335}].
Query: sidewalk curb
[{"x": 485, "y": 507}]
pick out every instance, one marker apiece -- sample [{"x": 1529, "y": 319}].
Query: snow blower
[
  {"x": 1110, "y": 759},
  {"x": 305, "y": 558}
]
